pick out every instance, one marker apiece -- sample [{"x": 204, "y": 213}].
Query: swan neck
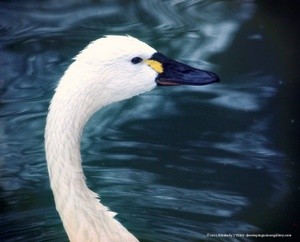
[{"x": 83, "y": 216}]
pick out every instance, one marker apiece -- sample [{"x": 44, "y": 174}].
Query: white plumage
[{"x": 103, "y": 73}]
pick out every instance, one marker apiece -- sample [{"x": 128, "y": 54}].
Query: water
[{"x": 175, "y": 163}]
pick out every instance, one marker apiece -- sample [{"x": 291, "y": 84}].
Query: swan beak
[{"x": 172, "y": 73}]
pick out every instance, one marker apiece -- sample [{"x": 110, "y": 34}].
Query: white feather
[{"x": 101, "y": 74}]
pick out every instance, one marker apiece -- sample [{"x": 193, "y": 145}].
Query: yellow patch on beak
[{"x": 155, "y": 65}]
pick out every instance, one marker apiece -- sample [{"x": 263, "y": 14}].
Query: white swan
[{"x": 108, "y": 70}]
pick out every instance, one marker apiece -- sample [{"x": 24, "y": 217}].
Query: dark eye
[{"x": 136, "y": 60}]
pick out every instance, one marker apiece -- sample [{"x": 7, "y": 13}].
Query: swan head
[
  {"x": 108, "y": 70},
  {"x": 120, "y": 67}
]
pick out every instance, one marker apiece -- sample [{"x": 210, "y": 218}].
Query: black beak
[{"x": 176, "y": 73}]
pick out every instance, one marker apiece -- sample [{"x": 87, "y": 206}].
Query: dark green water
[{"x": 175, "y": 163}]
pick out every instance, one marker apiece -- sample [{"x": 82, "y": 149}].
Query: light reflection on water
[{"x": 186, "y": 161}]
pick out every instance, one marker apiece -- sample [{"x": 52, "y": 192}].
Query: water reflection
[{"x": 186, "y": 161}]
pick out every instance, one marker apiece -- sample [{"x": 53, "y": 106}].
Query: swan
[{"x": 108, "y": 70}]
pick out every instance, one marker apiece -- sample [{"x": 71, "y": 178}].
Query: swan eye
[{"x": 136, "y": 60}]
